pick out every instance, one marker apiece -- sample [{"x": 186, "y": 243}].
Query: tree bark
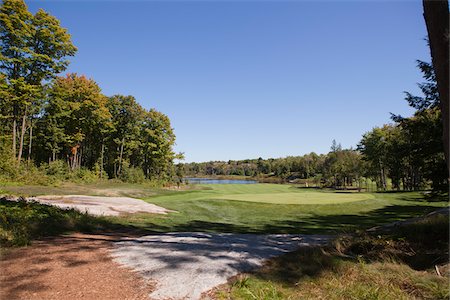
[
  {"x": 14, "y": 138},
  {"x": 31, "y": 140},
  {"x": 101, "y": 160},
  {"x": 120, "y": 157},
  {"x": 22, "y": 134},
  {"x": 80, "y": 157},
  {"x": 436, "y": 16}
]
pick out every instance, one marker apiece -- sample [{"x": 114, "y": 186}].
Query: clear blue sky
[{"x": 248, "y": 79}]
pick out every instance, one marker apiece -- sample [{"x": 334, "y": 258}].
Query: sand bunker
[{"x": 102, "y": 206}]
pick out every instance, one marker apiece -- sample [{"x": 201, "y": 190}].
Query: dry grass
[
  {"x": 316, "y": 274},
  {"x": 398, "y": 265}
]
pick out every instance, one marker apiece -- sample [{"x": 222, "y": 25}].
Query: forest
[
  {"x": 55, "y": 127},
  {"x": 62, "y": 127},
  {"x": 407, "y": 153}
]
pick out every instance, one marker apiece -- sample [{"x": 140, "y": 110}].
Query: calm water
[{"x": 218, "y": 181}]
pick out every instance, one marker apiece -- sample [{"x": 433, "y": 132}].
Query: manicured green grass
[
  {"x": 298, "y": 198},
  {"x": 207, "y": 210},
  {"x": 251, "y": 208}
]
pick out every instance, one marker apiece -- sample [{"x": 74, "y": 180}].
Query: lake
[{"x": 217, "y": 181}]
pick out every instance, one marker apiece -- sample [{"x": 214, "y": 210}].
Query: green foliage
[
  {"x": 7, "y": 163},
  {"x": 21, "y": 221},
  {"x": 75, "y": 118},
  {"x": 158, "y": 140},
  {"x": 407, "y": 155},
  {"x": 32, "y": 47},
  {"x": 428, "y": 88},
  {"x": 57, "y": 169},
  {"x": 32, "y": 50},
  {"x": 410, "y": 152},
  {"x": 83, "y": 175},
  {"x": 131, "y": 174},
  {"x": 68, "y": 118},
  {"x": 339, "y": 168}
]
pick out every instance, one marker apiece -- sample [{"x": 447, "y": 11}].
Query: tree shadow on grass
[
  {"x": 350, "y": 222},
  {"x": 313, "y": 224}
]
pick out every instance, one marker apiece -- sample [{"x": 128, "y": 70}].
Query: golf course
[
  {"x": 224, "y": 150},
  {"x": 275, "y": 208},
  {"x": 221, "y": 229}
]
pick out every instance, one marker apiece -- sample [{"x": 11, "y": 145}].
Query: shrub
[
  {"x": 57, "y": 168},
  {"x": 21, "y": 221},
  {"x": 82, "y": 175},
  {"x": 131, "y": 174},
  {"x": 8, "y": 168}
]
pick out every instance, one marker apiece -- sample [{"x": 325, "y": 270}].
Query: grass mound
[{"x": 21, "y": 221}]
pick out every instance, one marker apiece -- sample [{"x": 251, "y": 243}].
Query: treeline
[
  {"x": 339, "y": 168},
  {"x": 408, "y": 154},
  {"x": 64, "y": 126}
]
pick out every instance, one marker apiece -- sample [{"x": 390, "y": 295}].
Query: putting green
[{"x": 298, "y": 198}]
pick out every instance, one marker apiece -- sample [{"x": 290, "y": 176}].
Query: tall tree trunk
[
  {"x": 120, "y": 157},
  {"x": 80, "y": 156},
  {"x": 31, "y": 140},
  {"x": 382, "y": 176},
  {"x": 22, "y": 134},
  {"x": 436, "y": 16},
  {"x": 101, "y": 160},
  {"x": 14, "y": 138}
]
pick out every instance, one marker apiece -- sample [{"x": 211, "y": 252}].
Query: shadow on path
[{"x": 187, "y": 264}]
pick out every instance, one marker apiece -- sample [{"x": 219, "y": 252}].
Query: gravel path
[
  {"x": 98, "y": 205},
  {"x": 185, "y": 265}
]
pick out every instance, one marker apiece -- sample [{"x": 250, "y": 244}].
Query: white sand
[
  {"x": 106, "y": 206},
  {"x": 185, "y": 265}
]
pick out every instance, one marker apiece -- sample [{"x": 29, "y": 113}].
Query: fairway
[
  {"x": 276, "y": 208},
  {"x": 299, "y": 198},
  {"x": 253, "y": 208}
]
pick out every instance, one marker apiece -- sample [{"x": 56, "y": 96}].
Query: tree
[
  {"x": 32, "y": 50},
  {"x": 373, "y": 148},
  {"x": 436, "y": 16},
  {"x": 75, "y": 120},
  {"x": 124, "y": 140},
  {"x": 157, "y": 142},
  {"x": 424, "y": 149}
]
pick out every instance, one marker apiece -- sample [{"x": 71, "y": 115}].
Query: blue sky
[{"x": 249, "y": 79}]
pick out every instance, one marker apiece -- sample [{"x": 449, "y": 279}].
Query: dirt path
[
  {"x": 159, "y": 266},
  {"x": 74, "y": 267}
]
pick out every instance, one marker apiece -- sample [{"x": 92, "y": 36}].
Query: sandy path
[
  {"x": 185, "y": 265},
  {"x": 74, "y": 267},
  {"x": 99, "y": 205},
  {"x": 169, "y": 266}
]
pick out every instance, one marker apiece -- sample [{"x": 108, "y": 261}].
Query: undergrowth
[
  {"x": 398, "y": 264},
  {"x": 21, "y": 221}
]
